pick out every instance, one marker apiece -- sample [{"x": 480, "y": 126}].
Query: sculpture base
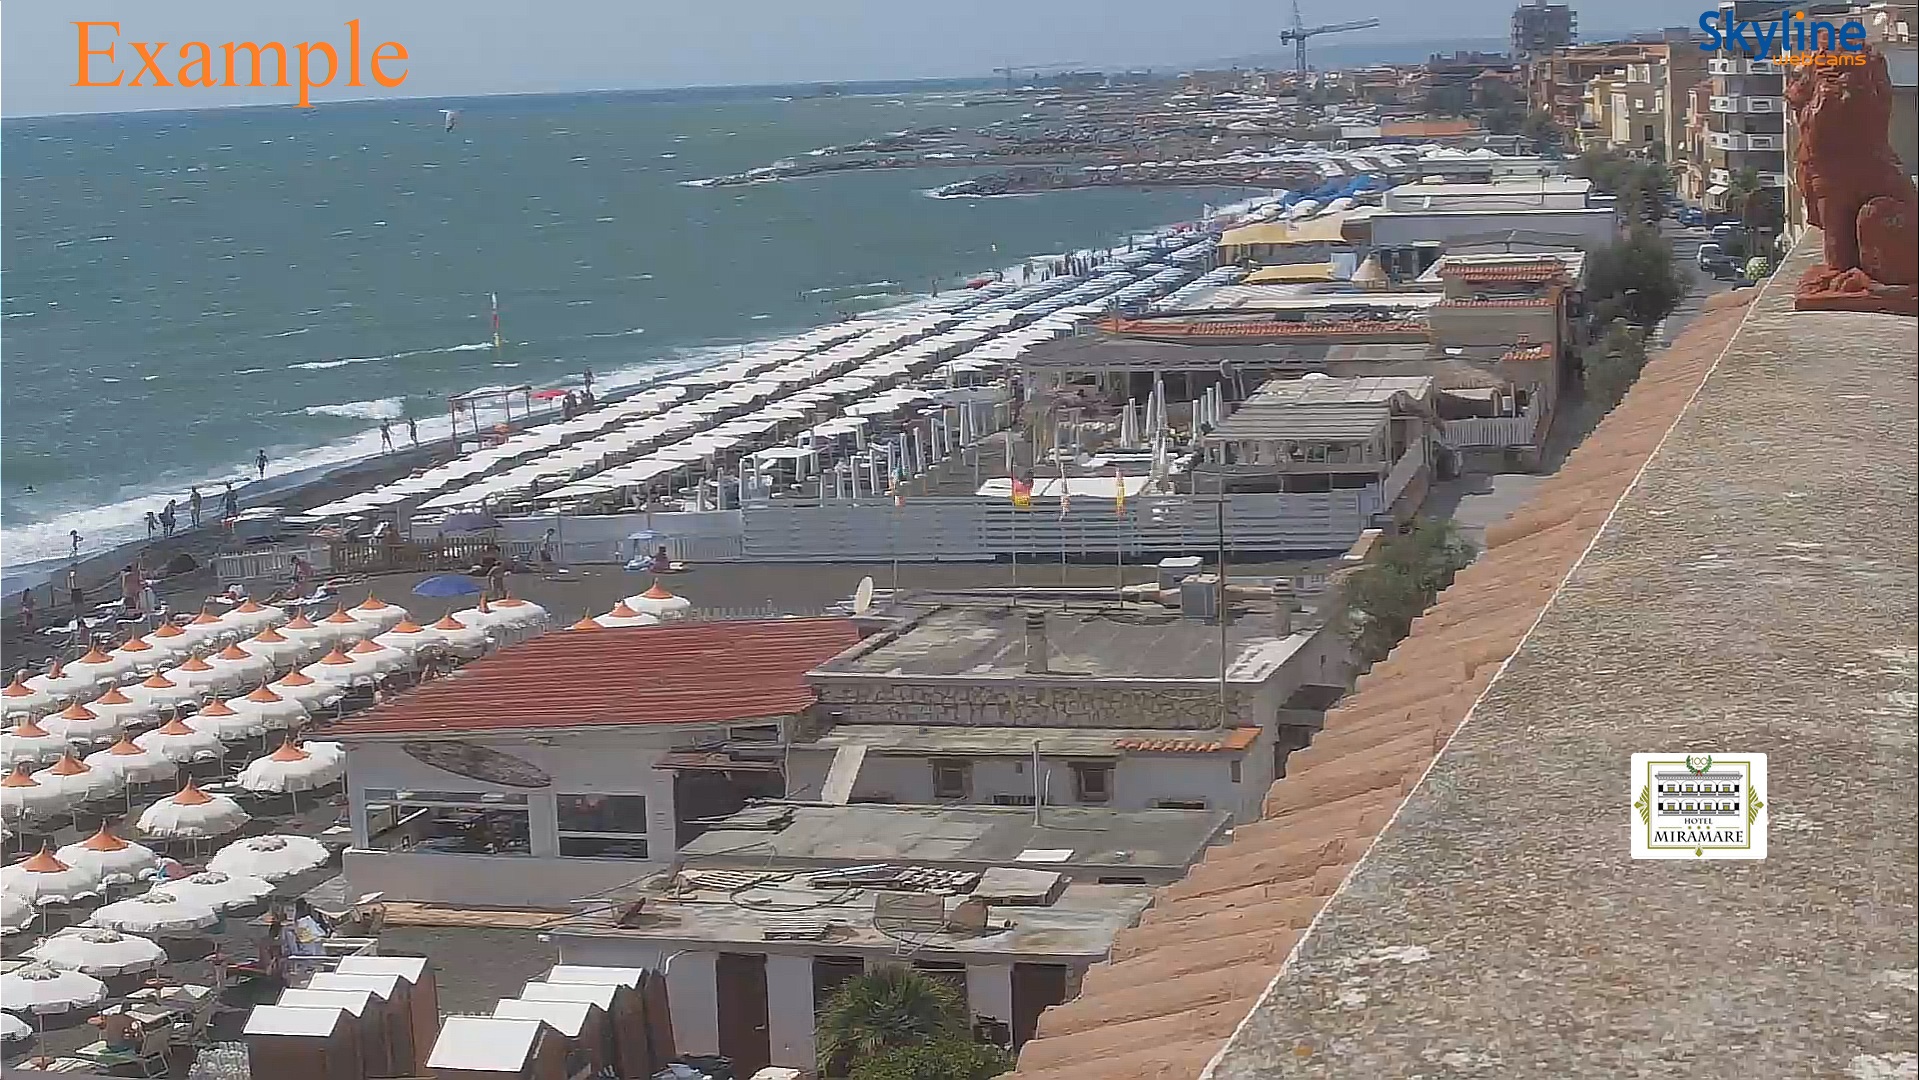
[{"x": 1824, "y": 289}]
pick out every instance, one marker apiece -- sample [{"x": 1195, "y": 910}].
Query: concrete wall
[
  {"x": 1041, "y": 702},
  {"x": 1595, "y": 228},
  {"x": 508, "y": 881}
]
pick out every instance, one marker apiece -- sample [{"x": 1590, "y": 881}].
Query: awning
[
  {"x": 1718, "y": 189},
  {"x": 716, "y": 760}
]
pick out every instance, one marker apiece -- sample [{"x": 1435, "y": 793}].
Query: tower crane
[{"x": 1297, "y": 34}]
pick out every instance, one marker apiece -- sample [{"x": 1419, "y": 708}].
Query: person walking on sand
[
  {"x": 413, "y": 430},
  {"x": 26, "y": 612},
  {"x": 153, "y": 524},
  {"x": 260, "y": 463},
  {"x": 169, "y": 517},
  {"x": 230, "y": 503},
  {"x": 77, "y": 596},
  {"x": 73, "y": 535},
  {"x": 386, "y": 436},
  {"x": 193, "y": 506}
]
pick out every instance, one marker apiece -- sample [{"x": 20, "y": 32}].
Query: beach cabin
[
  {"x": 497, "y": 1048},
  {"x": 634, "y": 1001},
  {"x": 395, "y": 1019},
  {"x": 589, "y": 1041},
  {"x": 293, "y": 1043},
  {"x": 368, "y": 1020},
  {"x": 419, "y": 990}
]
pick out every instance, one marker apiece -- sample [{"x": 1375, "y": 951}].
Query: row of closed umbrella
[
  {"x": 156, "y": 756},
  {"x": 650, "y": 608}
]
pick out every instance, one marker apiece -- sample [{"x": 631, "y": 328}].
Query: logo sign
[
  {"x": 1792, "y": 37},
  {"x": 1699, "y": 806}
]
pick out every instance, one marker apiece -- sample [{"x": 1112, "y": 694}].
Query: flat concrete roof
[
  {"x": 987, "y": 642},
  {"x": 1285, "y": 297},
  {"x": 1000, "y": 741},
  {"x": 965, "y": 837}
]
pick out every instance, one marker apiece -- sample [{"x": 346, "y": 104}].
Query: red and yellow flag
[
  {"x": 1119, "y": 494},
  {"x": 1022, "y": 493}
]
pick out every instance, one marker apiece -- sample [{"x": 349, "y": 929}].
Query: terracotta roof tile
[
  {"x": 1178, "y": 983},
  {"x": 1236, "y": 739}
]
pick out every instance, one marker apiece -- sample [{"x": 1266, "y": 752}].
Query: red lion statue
[{"x": 1854, "y": 187}]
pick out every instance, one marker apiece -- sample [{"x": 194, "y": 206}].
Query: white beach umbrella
[
  {"x": 27, "y": 741},
  {"x": 176, "y": 741},
  {"x": 251, "y": 618},
  {"x": 657, "y": 601},
  {"x": 160, "y": 694},
  {"x": 341, "y": 627},
  {"x": 159, "y": 914},
  {"x": 17, "y": 699},
  {"x": 339, "y": 669},
  {"x": 102, "y": 668},
  {"x": 63, "y": 687},
  {"x": 312, "y": 694},
  {"x": 495, "y": 624},
  {"x": 135, "y": 764},
  {"x": 43, "y": 879},
  {"x": 22, "y": 798},
  {"x": 218, "y": 891},
  {"x": 378, "y": 613},
  {"x": 279, "y": 650},
  {"x": 525, "y": 617},
  {"x": 142, "y": 656},
  {"x": 99, "y": 952},
  {"x": 79, "y": 781},
  {"x": 113, "y": 860},
  {"x": 207, "y": 630},
  {"x": 192, "y": 814},
  {"x": 587, "y": 623},
  {"x": 621, "y": 615},
  {"x": 13, "y": 1029},
  {"x": 308, "y": 634},
  {"x": 453, "y": 636},
  {"x": 16, "y": 913},
  {"x": 243, "y": 667},
  {"x": 273, "y": 711},
  {"x": 203, "y": 679},
  {"x": 384, "y": 659},
  {"x": 271, "y": 858},
  {"x": 291, "y": 768},
  {"x": 407, "y": 636},
  {"x": 224, "y": 722},
  {"x": 170, "y": 637},
  {"x": 79, "y": 725},
  {"x": 42, "y": 988}
]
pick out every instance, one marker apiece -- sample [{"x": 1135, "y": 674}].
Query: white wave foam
[
  {"x": 323, "y": 365},
  {"x": 391, "y": 408},
  {"x": 291, "y": 333}
]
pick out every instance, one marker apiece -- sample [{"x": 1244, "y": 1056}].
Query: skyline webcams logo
[
  {"x": 1792, "y": 38},
  {"x": 1699, "y": 806},
  {"x": 197, "y": 67}
]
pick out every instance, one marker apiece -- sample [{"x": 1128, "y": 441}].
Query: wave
[
  {"x": 290, "y": 333},
  {"x": 848, "y": 288},
  {"x": 323, "y": 365},
  {"x": 390, "y": 408}
]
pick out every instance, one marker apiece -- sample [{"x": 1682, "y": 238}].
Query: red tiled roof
[
  {"x": 685, "y": 673},
  {"x": 1504, "y": 301},
  {"x": 1236, "y": 739},
  {"x": 1529, "y": 352},
  {"x": 1528, "y": 271}
]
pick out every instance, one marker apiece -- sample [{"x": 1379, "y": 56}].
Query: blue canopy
[{"x": 447, "y": 585}]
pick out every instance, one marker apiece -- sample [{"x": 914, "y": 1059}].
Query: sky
[{"x": 462, "y": 48}]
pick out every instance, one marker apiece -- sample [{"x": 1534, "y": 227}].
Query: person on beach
[
  {"x": 230, "y": 502},
  {"x": 547, "y": 545},
  {"x": 169, "y": 517},
  {"x": 74, "y": 536},
  {"x": 26, "y": 612},
  {"x": 386, "y": 436},
  {"x": 302, "y": 574},
  {"x": 130, "y": 589},
  {"x": 77, "y": 596},
  {"x": 260, "y": 463},
  {"x": 413, "y": 430},
  {"x": 660, "y": 563},
  {"x": 496, "y": 580},
  {"x": 193, "y": 506},
  {"x": 153, "y": 524}
]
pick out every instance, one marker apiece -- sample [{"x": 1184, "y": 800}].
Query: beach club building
[{"x": 576, "y": 762}]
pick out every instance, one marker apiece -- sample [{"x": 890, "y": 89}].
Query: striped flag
[
  {"x": 1063, "y": 502},
  {"x": 1119, "y": 494},
  {"x": 1022, "y": 494}
]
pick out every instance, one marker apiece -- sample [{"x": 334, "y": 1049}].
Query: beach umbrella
[
  {"x": 99, "y": 952},
  {"x": 218, "y": 891},
  {"x": 135, "y": 764},
  {"x": 385, "y": 659},
  {"x": 16, "y": 913},
  {"x": 113, "y": 860},
  {"x": 341, "y": 628},
  {"x": 446, "y": 586},
  {"x": 456, "y": 637},
  {"x": 13, "y": 1029},
  {"x": 312, "y": 694},
  {"x": 495, "y": 625},
  {"x": 202, "y": 678},
  {"x": 19, "y": 700},
  {"x": 41, "y": 988},
  {"x": 99, "y": 668},
  {"x": 377, "y": 613},
  {"x": 273, "y": 711},
  {"x": 170, "y": 637},
  {"x": 243, "y": 667},
  {"x": 43, "y": 879},
  {"x": 141, "y": 656},
  {"x": 225, "y": 723},
  {"x": 27, "y": 741},
  {"x": 61, "y": 685},
  {"x": 587, "y": 623},
  {"x": 158, "y": 694},
  {"x": 271, "y": 858},
  {"x": 155, "y": 913},
  {"x": 101, "y": 719},
  {"x": 207, "y": 630},
  {"x": 277, "y": 649},
  {"x": 23, "y": 798},
  {"x": 407, "y": 636},
  {"x": 621, "y": 615},
  {"x": 525, "y": 617},
  {"x": 659, "y": 602},
  {"x": 177, "y": 742},
  {"x": 305, "y": 633},
  {"x": 251, "y": 618},
  {"x": 192, "y": 814},
  {"x": 78, "y": 781},
  {"x": 289, "y": 769},
  {"x": 339, "y": 669}
]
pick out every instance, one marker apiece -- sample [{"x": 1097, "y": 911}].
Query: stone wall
[{"x": 1040, "y": 703}]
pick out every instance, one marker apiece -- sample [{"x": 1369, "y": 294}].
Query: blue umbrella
[{"x": 447, "y": 585}]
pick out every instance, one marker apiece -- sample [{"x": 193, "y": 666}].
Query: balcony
[
  {"x": 1765, "y": 104},
  {"x": 1719, "y": 176},
  {"x": 1772, "y": 179},
  {"x": 1764, "y": 67},
  {"x": 1721, "y": 104},
  {"x": 1720, "y": 140},
  {"x": 1763, "y": 142},
  {"x": 1723, "y": 65}
]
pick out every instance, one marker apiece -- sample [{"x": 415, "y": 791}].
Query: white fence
[
  {"x": 269, "y": 564},
  {"x": 1498, "y": 431}
]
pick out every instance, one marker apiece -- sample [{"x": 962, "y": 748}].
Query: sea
[{"x": 185, "y": 289}]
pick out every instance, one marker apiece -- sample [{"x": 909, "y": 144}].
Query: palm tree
[
  {"x": 884, "y": 1009},
  {"x": 1757, "y": 206}
]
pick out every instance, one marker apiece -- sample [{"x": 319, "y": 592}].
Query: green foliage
[
  {"x": 887, "y": 1008},
  {"x": 1633, "y": 279},
  {"x": 946, "y": 1059},
  {"x": 1381, "y": 599},
  {"x": 1545, "y": 134},
  {"x": 1446, "y": 99},
  {"x": 1759, "y": 207},
  {"x": 1640, "y": 185},
  {"x": 1614, "y": 364}
]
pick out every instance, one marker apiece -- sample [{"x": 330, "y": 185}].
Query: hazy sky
[{"x": 467, "y": 47}]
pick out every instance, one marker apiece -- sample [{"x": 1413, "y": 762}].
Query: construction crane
[{"x": 1297, "y": 34}]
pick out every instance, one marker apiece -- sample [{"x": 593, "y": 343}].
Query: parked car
[
  {"x": 1730, "y": 238},
  {"x": 1691, "y": 217},
  {"x": 1714, "y": 260}
]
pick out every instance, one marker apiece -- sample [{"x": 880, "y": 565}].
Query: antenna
[{"x": 863, "y": 596}]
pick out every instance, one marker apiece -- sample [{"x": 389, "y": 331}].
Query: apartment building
[{"x": 1539, "y": 28}]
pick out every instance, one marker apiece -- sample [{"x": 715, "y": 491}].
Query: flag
[
  {"x": 496, "y": 319},
  {"x": 1022, "y": 494},
  {"x": 1063, "y": 503},
  {"x": 1119, "y": 494}
]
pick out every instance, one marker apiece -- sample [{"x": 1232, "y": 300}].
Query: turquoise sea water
[{"x": 181, "y": 289}]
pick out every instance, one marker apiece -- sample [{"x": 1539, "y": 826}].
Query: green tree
[
  {"x": 1759, "y": 208},
  {"x": 946, "y": 1059},
  {"x": 1633, "y": 279},
  {"x": 888, "y": 1008},
  {"x": 1446, "y": 99},
  {"x": 1540, "y": 129},
  {"x": 1380, "y": 600},
  {"x": 1614, "y": 364}
]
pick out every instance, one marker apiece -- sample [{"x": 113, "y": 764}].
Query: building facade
[{"x": 1539, "y": 27}]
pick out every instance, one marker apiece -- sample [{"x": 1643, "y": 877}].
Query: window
[
  {"x": 1092, "y": 783},
  {"x": 602, "y": 826},
  {"x": 1012, "y": 800},
  {"x": 448, "y": 822},
  {"x": 1234, "y": 770},
  {"x": 952, "y": 779},
  {"x": 1122, "y": 881},
  {"x": 1180, "y": 804}
]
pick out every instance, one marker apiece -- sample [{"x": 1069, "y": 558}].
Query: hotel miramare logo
[{"x": 1699, "y": 806}]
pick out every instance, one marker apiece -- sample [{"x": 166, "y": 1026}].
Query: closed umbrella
[
  {"x": 29, "y": 742},
  {"x": 225, "y": 723},
  {"x": 339, "y": 669},
  {"x": 282, "y": 652},
  {"x": 113, "y": 860},
  {"x": 312, "y": 694},
  {"x": 100, "y": 720},
  {"x": 101, "y": 668},
  {"x": 135, "y": 764},
  {"x": 304, "y": 632},
  {"x": 659, "y": 602},
  {"x": 272, "y": 858},
  {"x": 621, "y": 615},
  {"x": 243, "y": 667},
  {"x": 384, "y": 660},
  {"x": 79, "y": 781},
  {"x": 207, "y": 630},
  {"x": 202, "y": 678},
  {"x": 142, "y": 656},
  {"x": 192, "y": 814},
  {"x": 377, "y": 613},
  {"x": 342, "y": 628},
  {"x": 19, "y": 700},
  {"x": 273, "y": 711},
  {"x": 44, "y": 879},
  {"x": 221, "y": 892},
  {"x": 99, "y": 952},
  {"x": 44, "y": 989},
  {"x": 22, "y": 798},
  {"x": 525, "y": 617},
  {"x": 160, "y": 694},
  {"x": 177, "y": 742},
  {"x": 63, "y": 687},
  {"x": 155, "y": 913},
  {"x": 407, "y": 636},
  {"x": 16, "y": 914},
  {"x": 291, "y": 768},
  {"x": 251, "y": 618}
]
